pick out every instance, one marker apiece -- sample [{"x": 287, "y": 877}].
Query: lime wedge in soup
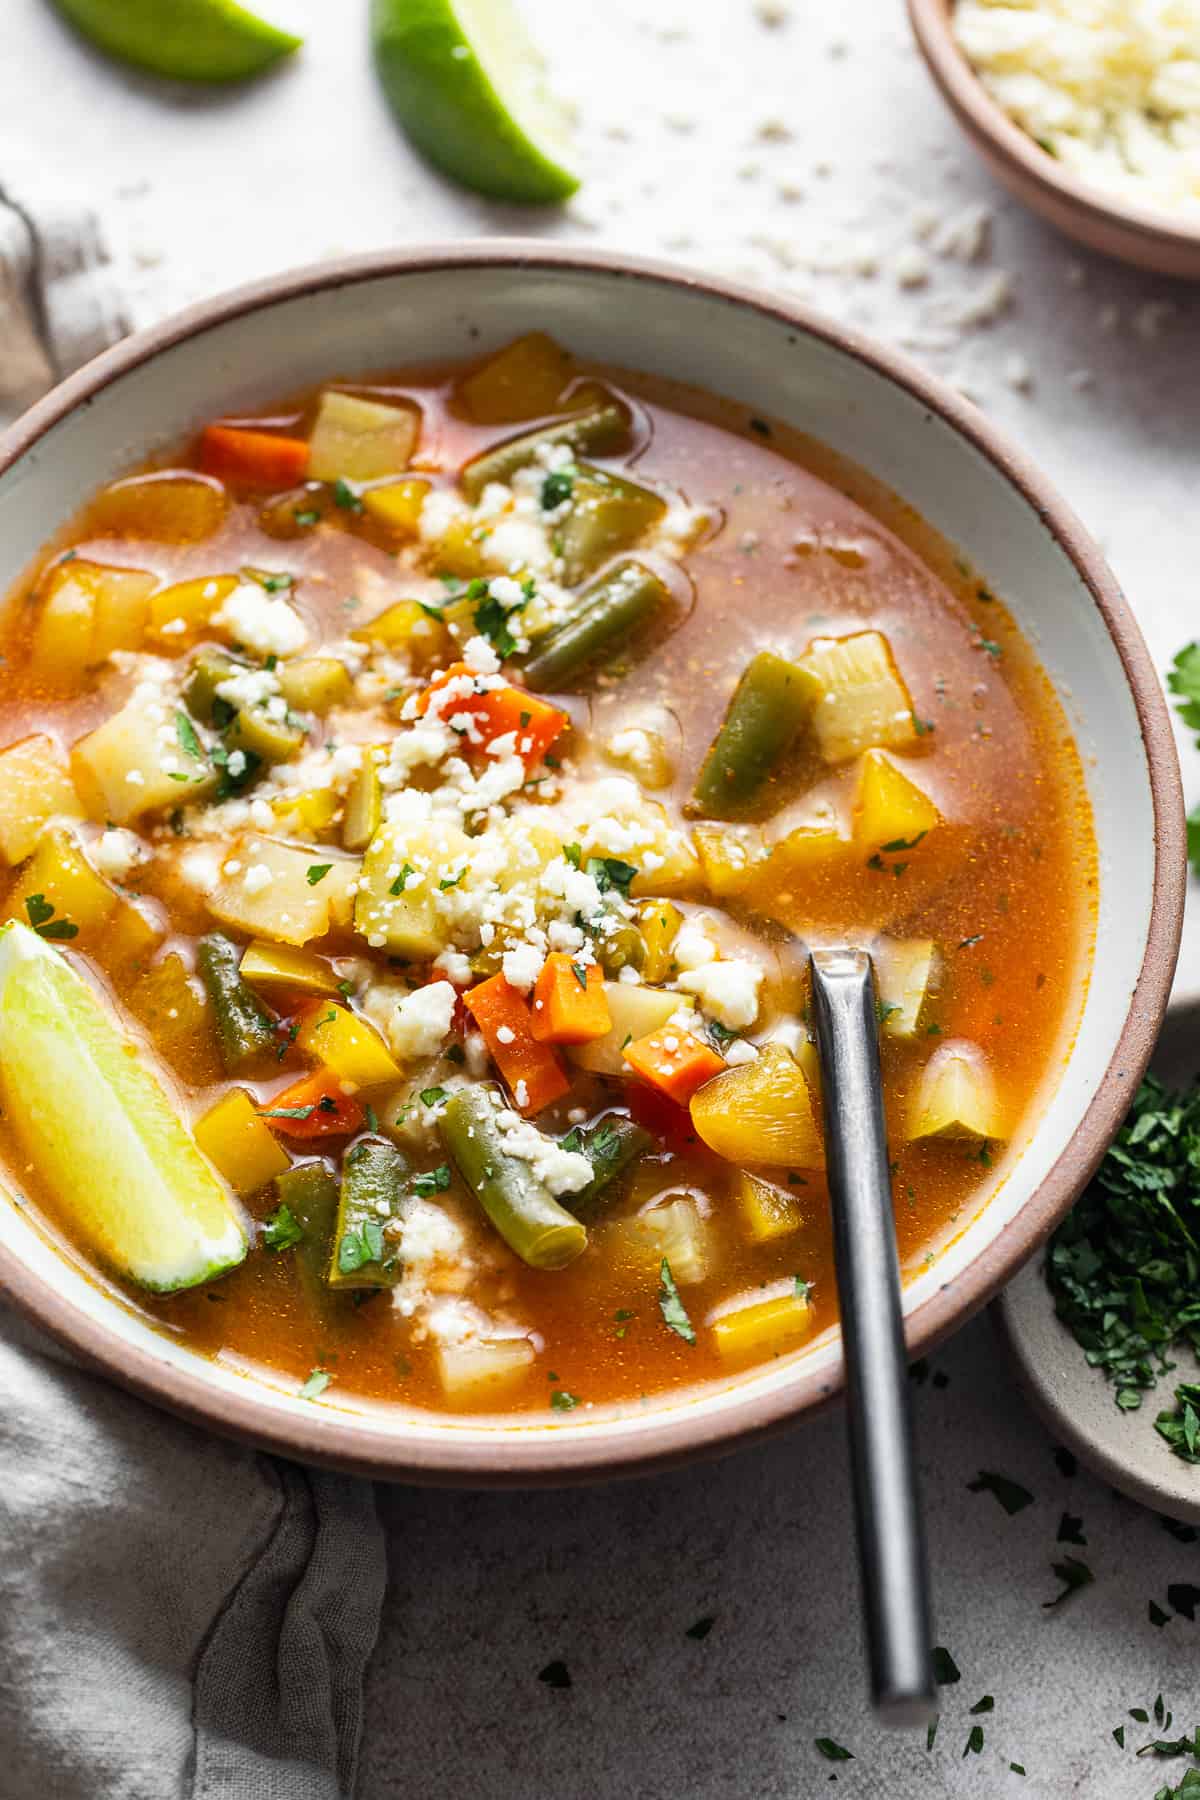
[
  {"x": 193, "y": 40},
  {"x": 469, "y": 89},
  {"x": 100, "y": 1131}
]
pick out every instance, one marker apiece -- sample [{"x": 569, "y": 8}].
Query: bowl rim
[
  {"x": 562, "y": 1453},
  {"x": 986, "y": 120}
]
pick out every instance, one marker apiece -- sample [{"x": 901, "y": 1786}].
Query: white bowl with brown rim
[{"x": 866, "y": 404}]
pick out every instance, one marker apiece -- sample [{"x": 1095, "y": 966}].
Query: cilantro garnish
[
  {"x": 1070, "y": 1531},
  {"x": 306, "y": 515},
  {"x": 491, "y": 618},
  {"x": 1011, "y": 1495},
  {"x": 609, "y": 873},
  {"x": 185, "y": 731},
  {"x": 572, "y": 854},
  {"x": 286, "y": 1112},
  {"x": 318, "y": 1381},
  {"x": 452, "y": 882},
  {"x": 671, "y": 1306},
  {"x": 561, "y": 1401},
  {"x": 557, "y": 487},
  {"x": 317, "y": 872},
  {"x": 904, "y": 843},
  {"x": 397, "y": 886},
  {"x": 360, "y": 1245},
  {"x": 346, "y": 497},
  {"x": 1181, "y": 1427},
  {"x": 579, "y": 971},
  {"x": 432, "y": 1096},
  {"x": 281, "y": 1230},
  {"x": 945, "y": 1670},
  {"x": 435, "y": 1181},
  {"x": 555, "y": 1675},
  {"x": 1074, "y": 1574},
  {"x": 974, "y": 1743},
  {"x": 833, "y": 1752},
  {"x": 701, "y": 1628},
  {"x": 41, "y": 917}
]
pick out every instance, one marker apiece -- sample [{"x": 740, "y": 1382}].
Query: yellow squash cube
[
  {"x": 348, "y": 1046},
  {"x": 58, "y": 876},
  {"x": 763, "y": 1327},
  {"x": 183, "y": 609},
  {"x": 730, "y": 856},
  {"x": 891, "y": 812},
  {"x": 396, "y": 505},
  {"x": 760, "y": 1112},
  {"x": 767, "y": 1210},
  {"x": 240, "y": 1145}
]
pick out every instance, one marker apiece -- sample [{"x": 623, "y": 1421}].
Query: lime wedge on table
[
  {"x": 468, "y": 87},
  {"x": 194, "y": 40},
  {"x": 100, "y": 1131}
]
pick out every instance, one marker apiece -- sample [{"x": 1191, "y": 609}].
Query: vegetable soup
[{"x": 417, "y": 804}]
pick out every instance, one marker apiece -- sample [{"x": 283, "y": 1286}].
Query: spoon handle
[{"x": 891, "y": 1540}]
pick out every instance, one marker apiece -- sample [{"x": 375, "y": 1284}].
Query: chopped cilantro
[
  {"x": 923, "y": 727},
  {"x": 985, "y": 1705},
  {"x": 1157, "y": 1616},
  {"x": 1074, "y": 1574},
  {"x": 974, "y": 1743},
  {"x": 884, "y": 1010},
  {"x": 286, "y": 1112},
  {"x": 281, "y": 1230},
  {"x": 671, "y": 1306},
  {"x": 801, "y": 1288},
  {"x": 491, "y": 618},
  {"x": 306, "y": 515},
  {"x": 41, "y": 917},
  {"x": 1070, "y": 1531},
  {"x": 555, "y": 1675},
  {"x": 318, "y": 1381},
  {"x": 398, "y": 885},
  {"x": 185, "y": 731},
  {"x": 432, "y": 1096},
  {"x": 579, "y": 970},
  {"x": 557, "y": 487},
  {"x": 372, "y": 1117},
  {"x": 573, "y": 854},
  {"x": 701, "y": 1628},
  {"x": 561, "y": 1401},
  {"x": 435, "y": 1181},
  {"x": 609, "y": 872},
  {"x": 904, "y": 843},
  {"x": 1011, "y": 1495},
  {"x": 832, "y": 1751},
  {"x": 452, "y": 882},
  {"x": 317, "y": 872},
  {"x": 1182, "y": 1596},
  {"x": 346, "y": 497},
  {"x": 359, "y": 1246}
]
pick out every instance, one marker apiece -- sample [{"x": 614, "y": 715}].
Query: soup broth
[{"x": 440, "y": 779}]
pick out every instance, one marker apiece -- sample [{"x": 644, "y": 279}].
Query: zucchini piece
[
  {"x": 364, "y": 801},
  {"x": 395, "y": 907},
  {"x": 906, "y": 970},
  {"x": 482, "y": 1366},
  {"x": 864, "y": 702},
  {"x": 315, "y": 683},
  {"x": 280, "y": 966},
  {"x": 281, "y": 903},
  {"x": 361, "y": 1256},
  {"x": 124, "y": 770},
  {"x": 672, "y": 1228},
  {"x": 772, "y": 700},
  {"x": 768, "y": 1211},
  {"x": 956, "y": 1097},
  {"x": 94, "y": 1120}
]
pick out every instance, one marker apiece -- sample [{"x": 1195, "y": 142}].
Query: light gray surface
[{"x": 685, "y": 107}]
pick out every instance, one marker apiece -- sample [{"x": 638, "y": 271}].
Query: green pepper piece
[
  {"x": 610, "y": 1145},
  {"x": 209, "y": 669},
  {"x": 361, "y": 1256},
  {"x": 245, "y": 1029},
  {"x": 253, "y": 730},
  {"x": 601, "y": 429},
  {"x": 310, "y": 1193},
  {"x": 606, "y": 514},
  {"x": 610, "y": 611},
  {"x": 771, "y": 701},
  {"x": 522, "y": 1209}
]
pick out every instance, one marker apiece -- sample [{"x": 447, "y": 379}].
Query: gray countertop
[{"x": 813, "y": 156}]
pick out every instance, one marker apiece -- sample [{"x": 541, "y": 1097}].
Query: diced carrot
[
  {"x": 569, "y": 1004},
  {"x": 260, "y": 458},
  {"x": 496, "y": 711},
  {"x": 674, "y": 1062},
  {"x": 532, "y": 1071},
  {"x": 313, "y": 1107}
]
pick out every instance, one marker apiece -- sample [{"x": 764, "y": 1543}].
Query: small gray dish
[{"x": 1077, "y": 1402}]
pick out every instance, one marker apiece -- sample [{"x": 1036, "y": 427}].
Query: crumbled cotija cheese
[
  {"x": 1110, "y": 87},
  {"x": 421, "y": 1021},
  {"x": 269, "y": 626}
]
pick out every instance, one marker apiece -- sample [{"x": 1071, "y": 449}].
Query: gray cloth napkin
[{"x": 180, "y": 1618}]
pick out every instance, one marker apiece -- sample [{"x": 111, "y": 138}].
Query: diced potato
[
  {"x": 35, "y": 787},
  {"x": 890, "y": 812},
  {"x": 521, "y": 850},
  {"x": 635, "y": 1012},
  {"x": 905, "y": 970},
  {"x": 273, "y": 966},
  {"x": 307, "y": 811},
  {"x": 285, "y": 907},
  {"x": 525, "y": 380},
  {"x": 767, "y": 1210},
  {"x": 123, "y": 769},
  {"x": 395, "y": 910},
  {"x": 315, "y": 683},
  {"x": 658, "y": 922},
  {"x": 482, "y": 1366},
  {"x": 59, "y": 873},
  {"x": 805, "y": 852},
  {"x": 181, "y": 610},
  {"x": 956, "y": 1096},
  {"x": 364, "y": 801},
  {"x": 129, "y": 937},
  {"x": 361, "y": 440},
  {"x": 122, "y": 609},
  {"x": 240, "y": 1145},
  {"x": 672, "y": 1228},
  {"x": 774, "y": 1325},
  {"x": 760, "y": 1112},
  {"x": 396, "y": 505},
  {"x": 346, "y": 1044},
  {"x": 341, "y": 885},
  {"x": 169, "y": 507},
  {"x": 62, "y": 639},
  {"x": 643, "y": 752},
  {"x": 406, "y": 626},
  {"x": 864, "y": 701},
  {"x": 730, "y": 856}
]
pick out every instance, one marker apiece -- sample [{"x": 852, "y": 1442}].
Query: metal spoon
[{"x": 891, "y": 1539}]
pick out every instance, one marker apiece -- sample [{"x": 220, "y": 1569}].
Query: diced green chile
[
  {"x": 245, "y": 1029},
  {"x": 524, "y": 1212},
  {"x": 606, "y": 514},
  {"x": 310, "y": 1193},
  {"x": 361, "y": 1254},
  {"x": 610, "y": 611},
  {"x": 770, "y": 703},
  {"x": 611, "y": 1146},
  {"x": 209, "y": 669},
  {"x": 600, "y": 430}
]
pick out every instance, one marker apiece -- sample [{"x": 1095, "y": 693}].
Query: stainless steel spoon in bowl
[{"x": 891, "y": 1539}]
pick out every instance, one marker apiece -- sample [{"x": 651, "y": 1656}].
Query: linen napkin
[{"x": 180, "y": 1618}]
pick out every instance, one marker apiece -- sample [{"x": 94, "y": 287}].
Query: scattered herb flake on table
[{"x": 1011, "y": 1495}]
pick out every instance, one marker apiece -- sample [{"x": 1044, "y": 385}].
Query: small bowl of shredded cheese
[{"x": 1089, "y": 110}]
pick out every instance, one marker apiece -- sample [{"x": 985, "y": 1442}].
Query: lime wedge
[
  {"x": 99, "y": 1129},
  {"x": 194, "y": 40},
  {"x": 468, "y": 87}
]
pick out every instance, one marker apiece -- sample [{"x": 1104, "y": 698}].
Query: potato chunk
[
  {"x": 127, "y": 767},
  {"x": 361, "y": 440},
  {"x": 863, "y": 701},
  {"x": 35, "y": 786},
  {"x": 396, "y": 905},
  {"x": 481, "y": 1367},
  {"x": 265, "y": 891},
  {"x": 635, "y": 1012},
  {"x": 760, "y": 1112}
]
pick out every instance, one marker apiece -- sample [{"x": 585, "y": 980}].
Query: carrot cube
[
  {"x": 674, "y": 1062},
  {"x": 259, "y": 458},
  {"x": 569, "y": 1003},
  {"x": 532, "y": 1071}
]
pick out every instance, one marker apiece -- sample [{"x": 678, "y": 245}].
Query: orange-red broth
[{"x": 801, "y": 545}]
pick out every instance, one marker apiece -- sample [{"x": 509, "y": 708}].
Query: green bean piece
[
  {"x": 522, "y": 1209},
  {"x": 361, "y": 1255},
  {"x": 611, "y": 1146},
  {"x": 600, "y": 430},
  {"x": 245, "y": 1029},
  {"x": 310, "y": 1193},
  {"x": 605, "y": 514},
  {"x": 770, "y": 703},
  {"x": 209, "y": 669},
  {"x": 610, "y": 611}
]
